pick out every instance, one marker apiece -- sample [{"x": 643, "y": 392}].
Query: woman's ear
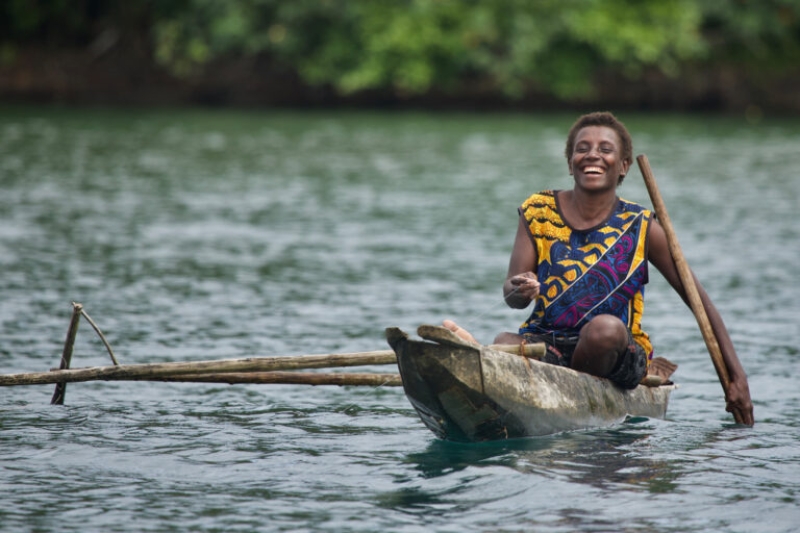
[{"x": 625, "y": 167}]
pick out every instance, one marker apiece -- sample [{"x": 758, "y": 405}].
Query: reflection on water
[
  {"x": 571, "y": 456},
  {"x": 195, "y": 235}
]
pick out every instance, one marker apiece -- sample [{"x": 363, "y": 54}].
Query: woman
[{"x": 582, "y": 256}]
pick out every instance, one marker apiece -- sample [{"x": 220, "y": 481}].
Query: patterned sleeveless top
[{"x": 584, "y": 273}]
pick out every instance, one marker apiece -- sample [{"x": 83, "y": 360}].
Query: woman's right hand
[{"x": 523, "y": 286}]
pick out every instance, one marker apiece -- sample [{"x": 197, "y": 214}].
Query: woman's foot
[{"x": 458, "y": 330}]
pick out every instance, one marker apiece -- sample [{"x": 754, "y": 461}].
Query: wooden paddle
[{"x": 687, "y": 278}]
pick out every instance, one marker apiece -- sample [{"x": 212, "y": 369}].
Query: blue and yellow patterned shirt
[{"x": 584, "y": 273}]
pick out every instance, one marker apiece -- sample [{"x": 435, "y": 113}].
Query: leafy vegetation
[{"x": 413, "y": 47}]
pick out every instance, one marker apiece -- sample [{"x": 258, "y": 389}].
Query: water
[{"x": 194, "y": 235}]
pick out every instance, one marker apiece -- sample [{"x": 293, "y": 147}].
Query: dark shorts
[{"x": 631, "y": 367}]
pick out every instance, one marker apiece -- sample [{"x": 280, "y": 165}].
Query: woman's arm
[
  {"x": 738, "y": 393},
  {"x": 521, "y": 285}
]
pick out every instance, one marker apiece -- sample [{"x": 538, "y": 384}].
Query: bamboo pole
[
  {"x": 533, "y": 350},
  {"x": 291, "y": 378},
  {"x": 687, "y": 278},
  {"x": 158, "y": 370},
  {"x": 155, "y": 371}
]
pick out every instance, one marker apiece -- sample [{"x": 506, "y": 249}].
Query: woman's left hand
[{"x": 738, "y": 401}]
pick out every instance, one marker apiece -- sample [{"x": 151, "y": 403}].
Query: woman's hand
[
  {"x": 738, "y": 401},
  {"x": 520, "y": 289}
]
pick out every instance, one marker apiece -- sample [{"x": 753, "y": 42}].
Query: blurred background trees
[{"x": 670, "y": 54}]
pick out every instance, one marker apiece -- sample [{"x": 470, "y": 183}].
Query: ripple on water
[{"x": 192, "y": 235}]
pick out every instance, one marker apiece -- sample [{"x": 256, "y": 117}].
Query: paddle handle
[{"x": 685, "y": 273}]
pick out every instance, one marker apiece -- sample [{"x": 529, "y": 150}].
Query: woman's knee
[
  {"x": 601, "y": 343},
  {"x": 605, "y": 332}
]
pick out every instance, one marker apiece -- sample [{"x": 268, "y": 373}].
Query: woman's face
[{"x": 597, "y": 162}]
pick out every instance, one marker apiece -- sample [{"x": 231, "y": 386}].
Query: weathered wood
[
  {"x": 151, "y": 371},
  {"x": 687, "y": 278},
  {"x": 290, "y": 378},
  {"x": 66, "y": 355},
  {"x": 154, "y": 370},
  {"x": 466, "y": 392}
]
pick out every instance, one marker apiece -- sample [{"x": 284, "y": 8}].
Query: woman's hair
[{"x": 602, "y": 118}]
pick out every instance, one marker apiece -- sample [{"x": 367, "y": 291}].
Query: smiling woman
[
  {"x": 600, "y": 123},
  {"x": 581, "y": 256},
  {"x": 598, "y": 154}
]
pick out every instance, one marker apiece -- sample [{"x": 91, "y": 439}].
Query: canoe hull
[{"x": 467, "y": 392}]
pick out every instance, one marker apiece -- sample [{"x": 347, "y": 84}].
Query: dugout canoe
[{"x": 467, "y": 392}]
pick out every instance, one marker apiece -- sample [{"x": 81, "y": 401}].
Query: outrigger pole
[{"x": 256, "y": 370}]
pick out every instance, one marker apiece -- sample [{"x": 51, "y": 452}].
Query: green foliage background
[{"x": 411, "y": 47}]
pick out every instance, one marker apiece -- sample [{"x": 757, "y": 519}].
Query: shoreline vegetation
[{"x": 729, "y": 56}]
